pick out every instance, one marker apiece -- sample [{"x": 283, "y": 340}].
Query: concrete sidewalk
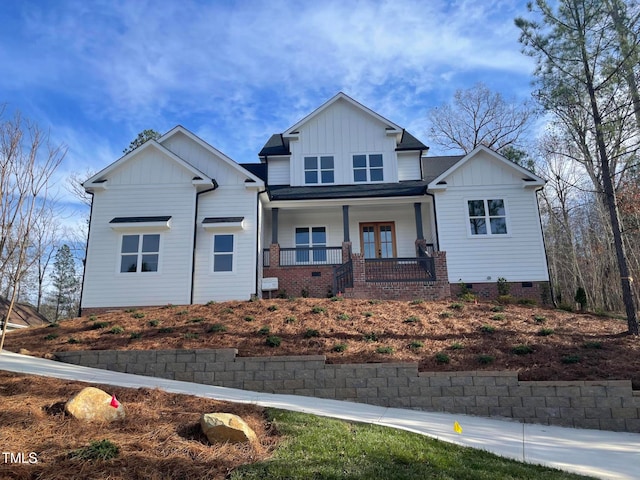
[{"x": 602, "y": 454}]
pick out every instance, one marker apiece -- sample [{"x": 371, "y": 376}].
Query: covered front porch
[{"x": 362, "y": 249}]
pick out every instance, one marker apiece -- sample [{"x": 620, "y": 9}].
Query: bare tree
[
  {"x": 27, "y": 163},
  {"x": 478, "y": 116}
]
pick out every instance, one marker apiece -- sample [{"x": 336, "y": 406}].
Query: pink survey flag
[{"x": 114, "y": 402}]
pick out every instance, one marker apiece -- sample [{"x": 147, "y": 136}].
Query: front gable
[{"x": 484, "y": 167}]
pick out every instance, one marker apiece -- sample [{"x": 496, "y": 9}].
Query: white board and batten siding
[
  {"x": 343, "y": 130},
  {"x": 517, "y": 256},
  {"x": 152, "y": 185},
  {"x": 240, "y": 283}
]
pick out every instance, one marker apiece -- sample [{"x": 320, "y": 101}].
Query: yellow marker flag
[{"x": 457, "y": 428}]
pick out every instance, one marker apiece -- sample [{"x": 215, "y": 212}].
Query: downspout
[
  {"x": 195, "y": 233},
  {"x": 86, "y": 255},
  {"x": 260, "y": 258},
  {"x": 546, "y": 255}
]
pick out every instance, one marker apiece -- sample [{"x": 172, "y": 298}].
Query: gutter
[
  {"x": 195, "y": 233},
  {"x": 86, "y": 255},
  {"x": 258, "y": 233}
]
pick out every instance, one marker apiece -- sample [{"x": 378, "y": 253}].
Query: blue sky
[{"x": 95, "y": 73}]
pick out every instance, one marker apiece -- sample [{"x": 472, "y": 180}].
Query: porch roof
[{"x": 402, "y": 189}]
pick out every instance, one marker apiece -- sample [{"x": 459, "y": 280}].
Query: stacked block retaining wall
[{"x": 604, "y": 405}]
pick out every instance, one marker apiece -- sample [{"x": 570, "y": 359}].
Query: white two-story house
[{"x": 344, "y": 201}]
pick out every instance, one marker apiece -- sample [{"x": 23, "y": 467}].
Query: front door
[{"x": 378, "y": 239}]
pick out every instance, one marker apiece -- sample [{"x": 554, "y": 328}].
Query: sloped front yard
[{"x": 541, "y": 344}]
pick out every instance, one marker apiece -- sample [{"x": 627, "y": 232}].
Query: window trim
[
  {"x": 310, "y": 228},
  {"x": 318, "y": 170},
  {"x": 485, "y": 199},
  {"x": 139, "y": 253},
  {"x": 366, "y": 168},
  {"x": 232, "y": 253}
]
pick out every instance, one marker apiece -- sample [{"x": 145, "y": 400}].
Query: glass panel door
[{"x": 378, "y": 240}]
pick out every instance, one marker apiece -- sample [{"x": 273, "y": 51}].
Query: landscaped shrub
[
  {"x": 196, "y": 320},
  {"x": 442, "y": 358},
  {"x": 99, "y": 325},
  {"x": 487, "y": 329},
  {"x": 417, "y": 301},
  {"x": 138, "y": 315},
  {"x": 264, "y": 330},
  {"x": 73, "y": 340},
  {"x": 368, "y": 314},
  {"x": 182, "y": 312},
  {"x": 154, "y": 323},
  {"x": 272, "y": 308},
  {"x": 411, "y": 319},
  {"x": 485, "y": 359},
  {"x": 116, "y": 330},
  {"x": 165, "y": 330},
  {"x": 498, "y": 317},
  {"x": 135, "y": 335},
  {"x": 310, "y": 333},
  {"x": 249, "y": 318},
  {"x": 527, "y": 301},
  {"x": 456, "y": 346},
  {"x": 503, "y": 286},
  {"x": 568, "y": 359},
  {"x": 384, "y": 350},
  {"x": 343, "y": 316},
  {"x": 190, "y": 336},
  {"x": 317, "y": 309},
  {"x": 497, "y": 308},
  {"x": 456, "y": 306},
  {"x": 522, "y": 349},
  {"x": 445, "y": 314},
  {"x": 273, "y": 341},
  {"x": 545, "y": 332},
  {"x": 290, "y": 320},
  {"x": 339, "y": 347},
  {"x": 217, "y": 328},
  {"x": 505, "y": 299},
  {"x": 227, "y": 310},
  {"x": 53, "y": 325},
  {"x": 370, "y": 337},
  {"x": 92, "y": 318},
  {"x": 540, "y": 318},
  {"x": 416, "y": 345},
  {"x": 593, "y": 345},
  {"x": 337, "y": 298},
  {"x": 97, "y": 450}
]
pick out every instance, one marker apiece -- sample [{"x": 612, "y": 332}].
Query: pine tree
[{"x": 65, "y": 283}]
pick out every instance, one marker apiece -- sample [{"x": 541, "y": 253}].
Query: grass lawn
[{"x": 321, "y": 448}]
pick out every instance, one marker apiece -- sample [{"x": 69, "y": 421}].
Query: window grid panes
[
  {"x": 487, "y": 217},
  {"x": 311, "y": 239},
  {"x": 318, "y": 169},
  {"x": 223, "y": 253},
  {"x": 139, "y": 253},
  {"x": 368, "y": 168}
]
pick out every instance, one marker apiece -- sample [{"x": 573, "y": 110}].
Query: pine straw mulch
[
  {"x": 159, "y": 439},
  {"x": 564, "y": 345}
]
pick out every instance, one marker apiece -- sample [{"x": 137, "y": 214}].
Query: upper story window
[
  {"x": 368, "y": 168},
  {"x": 487, "y": 217},
  {"x": 318, "y": 170},
  {"x": 139, "y": 253}
]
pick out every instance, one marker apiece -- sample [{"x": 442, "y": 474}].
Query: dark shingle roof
[
  {"x": 277, "y": 145},
  {"x": 223, "y": 219},
  {"x": 409, "y": 142},
  {"x": 401, "y": 189},
  {"x": 433, "y": 167},
  {"x": 258, "y": 169},
  {"x": 140, "y": 219}
]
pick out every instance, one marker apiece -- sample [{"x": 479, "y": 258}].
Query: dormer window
[
  {"x": 368, "y": 168},
  {"x": 318, "y": 170}
]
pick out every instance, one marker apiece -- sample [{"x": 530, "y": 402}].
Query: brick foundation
[
  {"x": 537, "y": 291},
  {"x": 314, "y": 280}
]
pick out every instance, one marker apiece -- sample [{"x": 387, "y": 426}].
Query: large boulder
[
  {"x": 94, "y": 405},
  {"x": 226, "y": 427}
]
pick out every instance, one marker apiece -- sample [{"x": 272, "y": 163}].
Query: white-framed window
[
  {"x": 140, "y": 253},
  {"x": 368, "y": 168},
  {"x": 311, "y": 242},
  {"x": 223, "y": 251},
  {"x": 487, "y": 217},
  {"x": 318, "y": 169}
]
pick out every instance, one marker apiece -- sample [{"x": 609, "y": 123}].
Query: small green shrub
[
  {"x": 318, "y": 310},
  {"x": 73, "y": 340},
  {"x": 456, "y": 306},
  {"x": 264, "y": 330},
  {"x": 416, "y": 345},
  {"x": 384, "y": 350},
  {"x": 97, "y": 450},
  {"x": 217, "y": 328},
  {"x": 249, "y": 318},
  {"x": 505, "y": 299},
  {"x": 569, "y": 359},
  {"x": 503, "y": 286},
  {"x": 53, "y": 325},
  {"x": 130, "y": 310},
  {"x": 497, "y": 308},
  {"x": 93, "y": 318},
  {"x": 370, "y": 337},
  {"x": 339, "y": 347},
  {"x": 540, "y": 318},
  {"x": 344, "y": 316},
  {"x": 485, "y": 359},
  {"x": 212, "y": 302},
  {"x": 498, "y": 316},
  {"x": 522, "y": 349},
  {"x": 196, "y": 320},
  {"x": 116, "y": 330},
  {"x": 468, "y": 297},
  {"x": 545, "y": 332},
  {"x": 154, "y": 323},
  {"x": 138, "y": 315},
  {"x": 190, "y": 336},
  {"x": 442, "y": 358},
  {"x": 411, "y": 319},
  {"x": 99, "y": 325},
  {"x": 290, "y": 320},
  {"x": 527, "y": 301},
  {"x": 273, "y": 341},
  {"x": 374, "y": 301},
  {"x": 457, "y": 346},
  {"x": 272, "y": 308},
  {"x": 227, "y": 310},
  {"x": 169, "y": 306},
  {"x": 593, "y": 345},
  {"x": 368, "y": 314},
  {"x": 445, "y": 314},
  {"x": 417, "y": 301},
  {"x": 135, "y": 335},
  {"x": 182, "y": 312},
  {"x": 487, "y": 329},
  {"x": 310, "y": 333},
  {"x": 337, "y": 298},
  {"x": 165, "y": 330}
]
